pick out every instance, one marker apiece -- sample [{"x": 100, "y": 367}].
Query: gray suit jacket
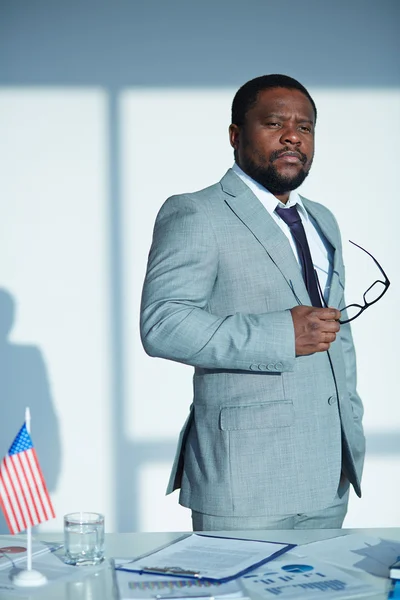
[{"x": 268, "y": 432}]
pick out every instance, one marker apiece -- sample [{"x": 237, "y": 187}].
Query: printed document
[
  {"x": 202, "y": 556},
  {"x": 13, "y": 550},
  {"x": 293, "y": 578},
  {"x": 355, "y": 551},
  {"x": 147, "y": 586}
]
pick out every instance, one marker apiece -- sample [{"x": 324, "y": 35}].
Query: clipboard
[{"x": 217, "y": 559}]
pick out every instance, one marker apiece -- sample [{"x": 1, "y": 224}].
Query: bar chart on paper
[{"x": 302, "y": 579}]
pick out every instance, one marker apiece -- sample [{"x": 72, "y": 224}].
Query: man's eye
[
  {"x": 305, "y": 128},
  {"x": 273, "y": 124}
]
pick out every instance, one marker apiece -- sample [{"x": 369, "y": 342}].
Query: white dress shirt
[{"x": 321, "y": 250}]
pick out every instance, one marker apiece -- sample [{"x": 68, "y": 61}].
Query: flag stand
[{"x": 29, "y": 577}]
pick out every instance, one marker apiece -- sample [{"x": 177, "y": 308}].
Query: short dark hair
[{"x": 246, "y": 96}]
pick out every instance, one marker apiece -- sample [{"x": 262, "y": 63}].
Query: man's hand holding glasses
[{"x": 316, "y": 328}]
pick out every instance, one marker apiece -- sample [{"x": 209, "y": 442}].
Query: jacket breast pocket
[{"x": 257, "y": 416}]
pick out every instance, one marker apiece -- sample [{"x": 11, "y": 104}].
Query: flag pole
[
  {"x": 29, "y": 528},
  {"x": 29, "y": 577}
]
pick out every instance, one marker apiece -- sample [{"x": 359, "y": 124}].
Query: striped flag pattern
[{"x": 24, "y": 497}]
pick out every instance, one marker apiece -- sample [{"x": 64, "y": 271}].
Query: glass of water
[{"x": 84, "y": 538}]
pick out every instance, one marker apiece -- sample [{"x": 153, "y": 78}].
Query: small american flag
[{"x": 23, "y": 493}]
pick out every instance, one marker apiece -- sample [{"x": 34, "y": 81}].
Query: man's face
[{"x": 275, "y": 144}]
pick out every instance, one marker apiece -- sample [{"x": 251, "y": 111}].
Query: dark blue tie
[{"x": 293, "y": 220}]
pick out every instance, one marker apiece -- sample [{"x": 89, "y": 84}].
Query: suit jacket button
[
  {"x": 332, "y": 400},
  {"x": 279, "y": 366},
  {"x": 253, "y": 367},
  {"x": 271, "y": 367},
  {"x": 262, "y": 367}
]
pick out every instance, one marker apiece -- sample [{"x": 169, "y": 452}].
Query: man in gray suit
[{"x": 274, "y": 436}]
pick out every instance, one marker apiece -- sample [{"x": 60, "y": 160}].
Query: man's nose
[{"x": 290, "y": 135}]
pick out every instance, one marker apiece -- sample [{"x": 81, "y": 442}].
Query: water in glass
[{"x": 84, "y": 538}]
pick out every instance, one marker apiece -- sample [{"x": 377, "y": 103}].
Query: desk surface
[{"x": 99, "y": 586}]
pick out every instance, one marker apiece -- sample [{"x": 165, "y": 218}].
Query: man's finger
[
  {"x": 329, "y": 314},
  {"x": 330, "y": 326}
]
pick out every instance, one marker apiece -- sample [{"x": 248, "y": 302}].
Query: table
[{"x": 99, "y": 586}]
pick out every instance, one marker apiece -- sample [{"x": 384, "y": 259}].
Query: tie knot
[{"x": 289, "y": 215}]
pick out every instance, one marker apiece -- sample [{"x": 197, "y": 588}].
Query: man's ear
[{"x": 234, "y": 135}]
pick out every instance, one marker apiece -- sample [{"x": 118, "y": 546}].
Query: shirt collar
[{"x": 266, "y": 197}]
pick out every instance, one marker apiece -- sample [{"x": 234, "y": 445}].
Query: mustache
[{"x": 277, "y": 153}]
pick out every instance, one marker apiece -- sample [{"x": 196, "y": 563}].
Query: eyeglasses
[{"x": 372, "y": 295}]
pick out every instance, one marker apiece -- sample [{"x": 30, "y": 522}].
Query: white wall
[{"x": 55, "y": 265}]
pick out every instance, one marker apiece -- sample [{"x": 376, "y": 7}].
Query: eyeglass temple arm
[{"x": 373, "y": 258}]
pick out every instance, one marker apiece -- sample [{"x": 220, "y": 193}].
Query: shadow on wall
[{"x": 24, "y": 382}]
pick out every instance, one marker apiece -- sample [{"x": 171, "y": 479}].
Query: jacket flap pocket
[{"x": 257, "y": 416}]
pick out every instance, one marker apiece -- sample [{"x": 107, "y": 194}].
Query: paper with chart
[
  {"x": 148, "y": 586},
  {"x": 355, "y": 551},
  {"x": 13, "y": 550},
  {"x": 210, "y": 557},
  {"x": 51, "y": 564},
  {"x": 294, "y": 578}
]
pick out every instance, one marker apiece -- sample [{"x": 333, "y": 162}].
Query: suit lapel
[
  {"x": 256, "y": 218},
  {"x": 336, "y": 288}
]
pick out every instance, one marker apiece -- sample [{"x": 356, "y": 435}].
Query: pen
[
  {"x": 201, "y": 597},
  {"x": 170, "y": 571},
  {"x": 394, "y": 591}
]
